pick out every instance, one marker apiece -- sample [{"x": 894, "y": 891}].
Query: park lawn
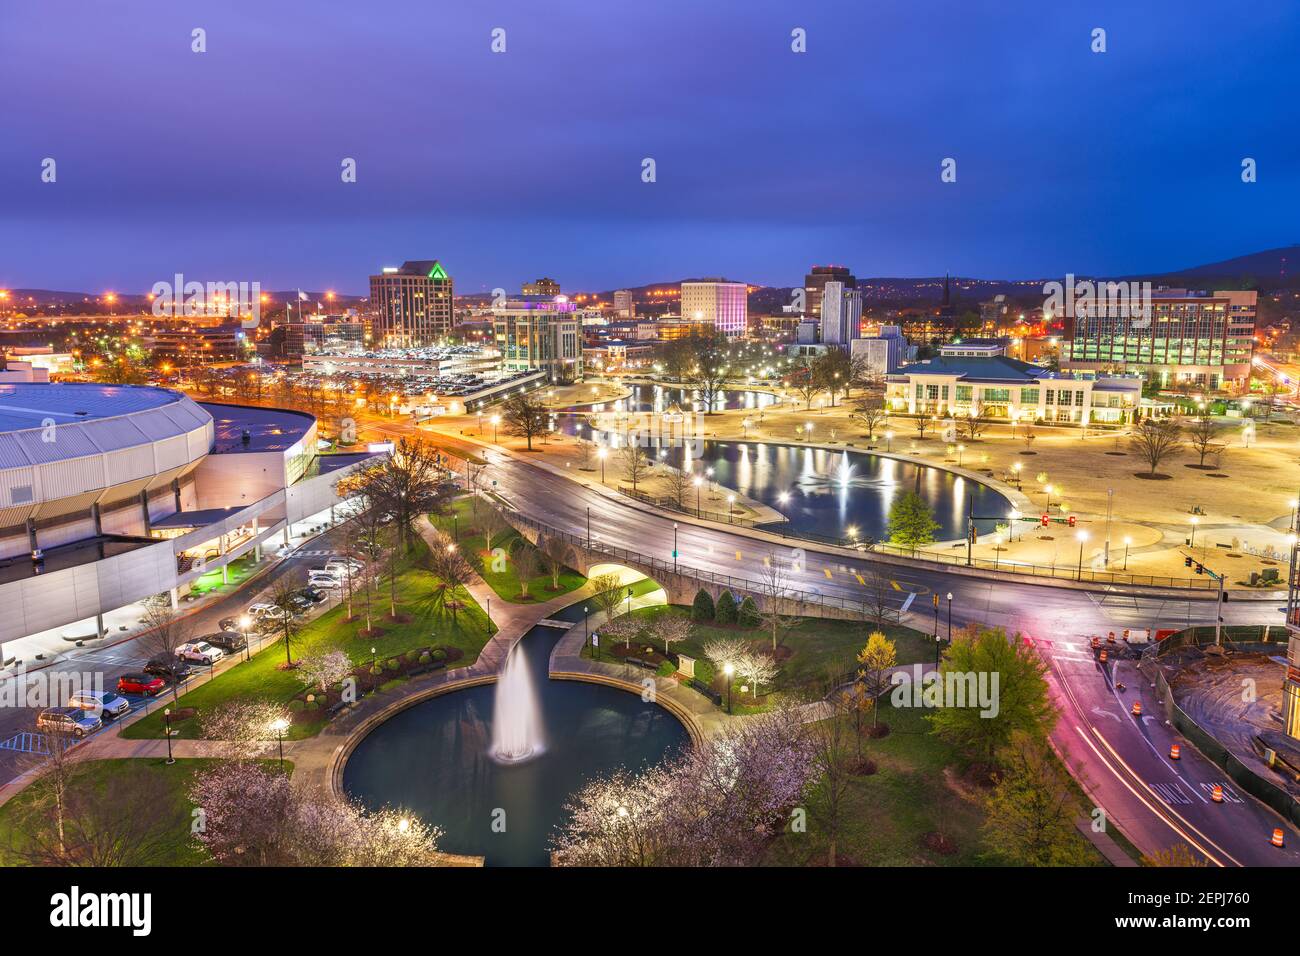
[
  {"x": 460, "y": 521},
  {"x": 240, "y": 570},
  {"x": 817, "y": 646},
  {"x": 174, "y": 815},
  {"x": 917, "y": 789},
  {"x": 262, "y": 677}
]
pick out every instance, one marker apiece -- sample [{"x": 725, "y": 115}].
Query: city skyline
[{"x": 758, "y": 172}]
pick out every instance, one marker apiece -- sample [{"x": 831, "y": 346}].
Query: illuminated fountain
[{"x": 516, "y": 719}]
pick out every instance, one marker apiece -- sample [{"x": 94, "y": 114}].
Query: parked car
[
  {"x": 266, "y": 612},
  {"x": 101, "y": 703},
  {"x": 200, "y": 652},
  {"x": 228, "y": 641},
  {"x": 169, "y": 665},
  {"x": 323, "y": 579},
  {"x": 67, "y": 720},
  {"x": 146, "y": 684},
  {"x": 312, "y": 594},
  {"x": 341, "y": 567}
]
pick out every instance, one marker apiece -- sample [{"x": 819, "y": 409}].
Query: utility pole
[
  {"x": 1110, "y": 500},
  {"x": 970, "y": 532}
]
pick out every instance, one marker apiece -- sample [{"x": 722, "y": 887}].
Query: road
[{"x": 1123, "y": 761}]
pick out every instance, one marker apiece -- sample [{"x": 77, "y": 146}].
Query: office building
[
  {"x": 841, "y": 314},
  {"x": 883, "y": 353},
  {"x": 814, "y": 284},
  {"x": 410, "y": 305},
  {"x": 1203, "y": 339},
  {"x": 543, "y": 286},
  {"x": 624, "y": 304},
  {"x": 540, "y": 333},
  {"x": 719, "y": 303}
]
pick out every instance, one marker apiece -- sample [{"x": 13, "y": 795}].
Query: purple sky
[{"x": 225, "y": 165}]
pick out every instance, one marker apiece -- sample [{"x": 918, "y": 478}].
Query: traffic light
[
  {"x": 1072, "y": 520},
  {"x": 1045, "y": 520},
  {"x": 1200, "y": 569},
  {"x": 974, "y": 535},
  {"x": 1187, "y": 561}
]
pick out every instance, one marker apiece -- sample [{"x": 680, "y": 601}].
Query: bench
[
  {"x": 335, "y": 709},
  {"x": 706, "y": 690},
  {"x": 426, "y": 668}
]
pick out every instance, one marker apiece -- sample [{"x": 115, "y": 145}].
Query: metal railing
[{"x": 659, "y": 565}]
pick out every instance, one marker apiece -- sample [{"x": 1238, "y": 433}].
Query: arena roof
[
  {"x": 30, "y": 405},
  {"x": 269, "y": 429}
]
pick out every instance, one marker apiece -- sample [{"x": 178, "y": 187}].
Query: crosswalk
[{"x": 30, "y": 743}]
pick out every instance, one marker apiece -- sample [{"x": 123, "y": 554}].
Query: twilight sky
[{"x": 225, "y": 165}]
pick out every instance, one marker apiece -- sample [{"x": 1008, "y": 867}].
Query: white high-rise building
[
  {"x": 841, "y": 314},
  {"x": 624, "y": 304},
  {"x": 722, "y": 304}
]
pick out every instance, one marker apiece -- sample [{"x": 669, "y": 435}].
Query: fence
[{"x": 1274, "y": 796}]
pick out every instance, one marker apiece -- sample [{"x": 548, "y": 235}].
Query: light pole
[
  {"x": 1048, "y": 490},
  {"x": 589, "y": 527},
  {"x": 279, "y": 728},
  {"x": 244, "y": 624},
  {"x": 1127, "y": 541},
  {"x": 1191, "y": 543},
  {"x": 728, "y": 670},
  {"x": 602, "y": 453},
  {"x": 674, "y": 547},
  {"x": 889, "y": 441},
  {"x": 935, "y": 601},
  {"x": 1015, "y": 467},
  {"x": 1110, "y": 500},
  {"x": 167, "y": 722},
  {"x": 496, "y": 421},
  {"x": 731, "y": 504},
  {"x": 949, "y": 617},
  {"x": 697, "y": 481},
  {"x": 1083, "y": 536}
]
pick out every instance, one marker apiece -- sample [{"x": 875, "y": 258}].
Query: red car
[{"x": 145, "y": 684}]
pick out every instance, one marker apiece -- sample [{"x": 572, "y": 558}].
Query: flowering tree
[
  {"x": 244, "y": 726},
  {"x": 621, "y": 819},
  {"x": 324, "y": 670},
  {"x": 671, "y": 628},
  {"x": 757, "y": 669},
  {"x": 242, "y": 809}
]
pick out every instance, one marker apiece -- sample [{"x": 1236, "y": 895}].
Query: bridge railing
[{"x": 659, "y": 565}]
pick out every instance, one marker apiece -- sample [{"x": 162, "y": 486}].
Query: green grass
[
  {"x": 173, "y": 815},
  {"x": 261, "y": 677},
  {"x": 916, "y": 790},
  {"x": 816, "y": 646},
  {"x": 240, "y": 570},
  {"x": 460, "y": 521}
]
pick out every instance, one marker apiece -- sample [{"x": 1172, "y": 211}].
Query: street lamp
[
  {"x": 602, "y": 453},
  {"x": 1127, "y": 541},
  {"x": 280, "y": 726},
  {"x": 697, "y": 481},
  {"x": 245, "y": 622},
  {"x": 949, "y": 617},
  {"x": 728, "y": 670},
  {"x": 744, "y": 424},
  {"x": 1016, "y": 466},
  {"x": 960, "y": 450},
  {"x": 889, "y": 441},
  {"x": 1048, "y": 490},
  {"x": 1083, "y": 536},
  {"x": 496, "y": 421},
  {"x": 167, "y": 722},
  {"x": 1191, "y": 543},
  {"x": 731, "y": 505},
  {"x": 674, "y": 547}
]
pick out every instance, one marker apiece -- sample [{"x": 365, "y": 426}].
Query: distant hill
[{"x": 1265, "y": 271}]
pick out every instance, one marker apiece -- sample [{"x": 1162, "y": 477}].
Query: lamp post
[
  {"x": 731, "y": 504},
  {"x": 496, "y": 421},
  {"x": 889, "y": 441},
  {"x": 586, "y": 630},
  {"x": 949, "y": 617},
  {"x": 960, "y": 451},
  {"x": 167, "y": 723},
  {"x": 697, "y": 481},
  {"x": 588, "y": 526},
  {"x": 602, "y": 453},
  {"x": 745, "y": 424},
  {"x": 674, "y": 547},
  {"x": 1015, "y": 467},
  {"x": 1127, "y": 541},
  {"x": 1191, "y": 543},
  {"x": 1083, "y": 537},
  {"x": 728, "y": 670},
  {"x": 279, "y": 727},
  {"x": 935, "y": 601},
  {"x": 1048, "y": 490}
]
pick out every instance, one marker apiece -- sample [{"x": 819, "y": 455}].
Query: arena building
[{"x": 112, "y": 493}]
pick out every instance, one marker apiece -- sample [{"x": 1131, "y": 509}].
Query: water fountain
[{"x": 516, "y": 720}]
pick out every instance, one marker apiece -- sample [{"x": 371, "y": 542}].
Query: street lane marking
[
  {"x": 896, "y": 585},
  {"x": 908, "y": 603},
  {"x": 1172, "y": 793},
  {"x": 861, "y": 579},
  {"x": 826, "y": 571},
  {"x": 1228, "y": 793},
  {"x": 739, "y": 556}
]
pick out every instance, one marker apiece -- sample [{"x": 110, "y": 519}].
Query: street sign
[{"x": 595, "y": 640}]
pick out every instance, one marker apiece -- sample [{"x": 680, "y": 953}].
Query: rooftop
[
  {"x": 29, "y": 405},
  {"x": 269, "y": 429}
]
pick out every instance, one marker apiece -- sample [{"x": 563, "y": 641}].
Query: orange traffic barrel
[
  {"x": 1175, "y": 752},
  {"x": 1110, "y": 638},
  {"x": 1103, "y": 655},
  {"x": 1137, "y": 708},
  {"x": 1277, "y": 837},
  {"x": 1096, "y": 642},
  {"x": 1217, "y": 793}
]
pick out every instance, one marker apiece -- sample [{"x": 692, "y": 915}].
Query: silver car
[{"x": 101, "y": 703}]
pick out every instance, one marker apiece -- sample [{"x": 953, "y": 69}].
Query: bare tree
[
  {"x": 922, "y": 422},
  {"x": 451, "y": 573},
  {"x": 634, "y": 463},
  {"x": 832, "y": 750},
  {"x": 877, "y": 597},
  {"x": 774, "y": 587},
  {"x": 555, "y": 554},
  {"x": 526, "y": 417},
  {"x": 289, "y": 621},
  {"x": 524, "y": 558},
  {"x": 1201, "y": 435},
  {"x": 165, "y": 631},
  {"x": 805, "y": 381},
  {"x": 1156, "y": 439},
  {"x": 679, "y": 482},
  {"x": 1028, "y": 434},
  {"x": 870, "y": 413},
  {"x": 402, "y": 486},
  {"x": 975, "y": 421},
  {"x": 607, "y": 593}
]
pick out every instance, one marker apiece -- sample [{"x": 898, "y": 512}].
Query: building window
[
  {"x": 963, "y": 393},
  {"x": 1029, "y": 396}
]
